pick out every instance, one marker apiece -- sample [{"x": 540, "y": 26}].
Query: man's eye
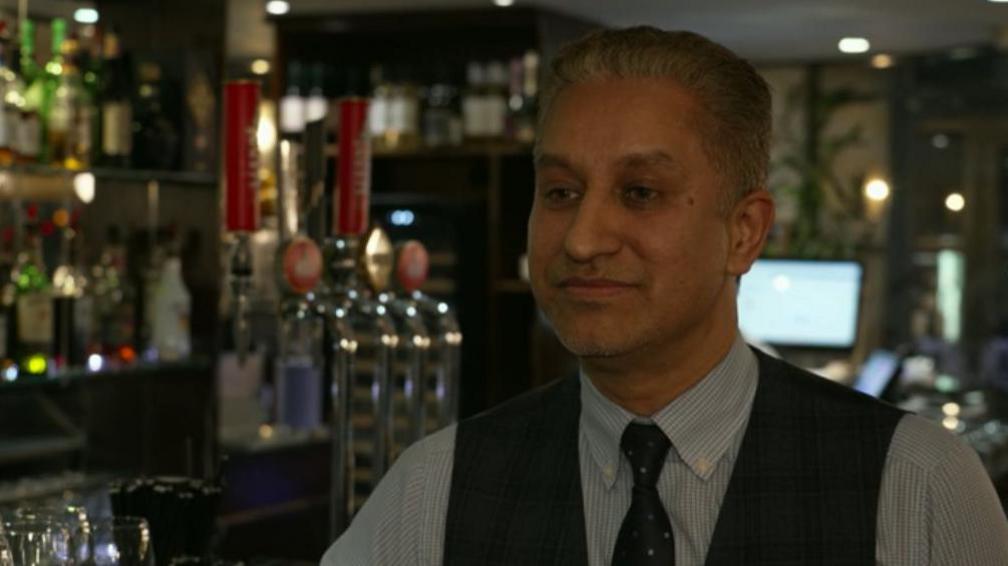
[
  {"x": 639, "y": 194},
  {"x": 559, "y": 194}
]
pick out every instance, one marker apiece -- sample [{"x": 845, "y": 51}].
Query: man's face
[{"x": 628, "y": 248}]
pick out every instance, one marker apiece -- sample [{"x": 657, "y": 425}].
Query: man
[{"x": 676, "y": 444}]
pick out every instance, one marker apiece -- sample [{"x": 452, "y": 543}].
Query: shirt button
[{"x": 703, "y": 465}]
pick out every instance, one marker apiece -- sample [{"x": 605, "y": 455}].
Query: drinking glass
[
  {"x": 72, "y": 517},
  {"x": 5, "y": 554},
  {"x": 121, "y": 541},
  {"x": 38, "y": 542}
]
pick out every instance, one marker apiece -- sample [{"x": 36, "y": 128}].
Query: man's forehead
[{"x": 639, "y": 158}]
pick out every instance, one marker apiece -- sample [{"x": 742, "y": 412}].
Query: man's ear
[{"x": 749, "y": 223}]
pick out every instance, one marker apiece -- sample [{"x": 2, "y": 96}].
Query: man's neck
[{"x": 645, "y": 386}]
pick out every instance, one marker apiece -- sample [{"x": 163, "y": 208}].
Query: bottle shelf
[
  {"x": 44, "y": 182},
  {"x": 137, "y": 370}
]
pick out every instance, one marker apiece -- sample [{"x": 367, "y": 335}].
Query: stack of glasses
[
  {"x": 64, "y": 535},
  {"x": 171, "y": 518}
]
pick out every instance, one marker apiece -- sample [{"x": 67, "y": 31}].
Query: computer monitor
[
  {"x": 801, "y": 303},
  {"x": 878, "y": 372}
]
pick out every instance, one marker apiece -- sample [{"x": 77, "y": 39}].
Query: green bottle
[
  {"x": 29, "y": 136},
  {"x": 33, "y": 309},
  {"x": 51, "y": 77}
]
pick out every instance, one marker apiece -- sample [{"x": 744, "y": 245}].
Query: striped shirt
[{"x": 936, "y": 506}]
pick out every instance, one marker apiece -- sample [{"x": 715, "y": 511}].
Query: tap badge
[{"x": 301, "y": 265}]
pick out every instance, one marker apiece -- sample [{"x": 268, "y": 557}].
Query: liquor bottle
[
  {"x": 172, "y": 309},
  {"x": 116, "y": 90},
  {"x": 155, "y": 138},
  {"x": 12, "y": 99},
  {"x": 114, "y": 301},
  {"x": 403, "y": 128},
  {"x": 526, "y": 118},
  {"x": 32, "y": 328},
  {"x": 378, "y": 118},
  {"x": 71, "y": 114},
  {"x": 474, "y": 102},
  {"x": 495, "y": 105},
  {"x": 29, "y": 139},
  {"x": 442, "y": 124},
  {"x": 72, "y": 305},
  {"x": 52, "y": 74},
  {"x": 292, "y": 103}
]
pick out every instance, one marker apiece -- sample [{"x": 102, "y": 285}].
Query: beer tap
[
  {"x": 241, "y": 110},
  {"x": 444, "y": 356},
  {"x": 361, "y": 334}
]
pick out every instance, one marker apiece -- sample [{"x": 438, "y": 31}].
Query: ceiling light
[
  {"x": 997, "y": 1},
  {"x": 260, "y": 66},
  {"x": 277, "y": 7},
  {"x": 503, "y": 3},
  {"x": 854, "y": 45},
  {"x": 955, "y": 202},
  {"x": 883, "y": 61},
  {"x": 877, "y": 190},
  {"x": 86, "y": 16},
  {"x": 940, "y": 141}
]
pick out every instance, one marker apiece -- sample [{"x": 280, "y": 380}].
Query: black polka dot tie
[{"x": 645, "y": 538}]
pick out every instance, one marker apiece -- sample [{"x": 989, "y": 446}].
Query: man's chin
[{"x": 588, "y": 349}]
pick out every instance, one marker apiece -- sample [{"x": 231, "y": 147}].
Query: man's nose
[{"x": 594, "y": 229}]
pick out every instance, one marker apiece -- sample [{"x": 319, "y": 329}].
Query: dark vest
[{"x": 804, "y": 489}]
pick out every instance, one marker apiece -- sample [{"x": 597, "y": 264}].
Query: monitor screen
[
  {"x": 877, "y": 371},
  {"x": 802, "y": 303}
]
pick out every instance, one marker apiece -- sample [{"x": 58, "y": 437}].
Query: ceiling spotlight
[
  {"x": 503, "y": 3},
  {"x": 940, "y": 141},
  {"x": 277, "y": 7},
  {"x": 955, "y": 202},
  {"x": 86, "y": 16},
  {"x": 854, "y": 45},
  {"x": 882, "y": 61},
  {"x": 260, "y": 67},
  {"x": 877, "y": 190}
]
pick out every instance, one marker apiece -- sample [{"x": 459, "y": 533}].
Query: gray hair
[{"x": 735, "y": 129}]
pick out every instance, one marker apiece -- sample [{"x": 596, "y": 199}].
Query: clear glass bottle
[
  {"x": 114, "y": 297},
  {"x": 495, "y": 101},
  {"x": 12, "y": 100},
  {"x": 474, "y": 102},
  {"x": 71, "y": 114},
  {"x": 172, "y": 310}
]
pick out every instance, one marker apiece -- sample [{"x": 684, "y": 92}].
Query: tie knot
[{"x": 645, "y": 445}]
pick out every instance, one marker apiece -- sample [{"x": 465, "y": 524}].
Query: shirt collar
[{"x": 701, "y": 423}]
